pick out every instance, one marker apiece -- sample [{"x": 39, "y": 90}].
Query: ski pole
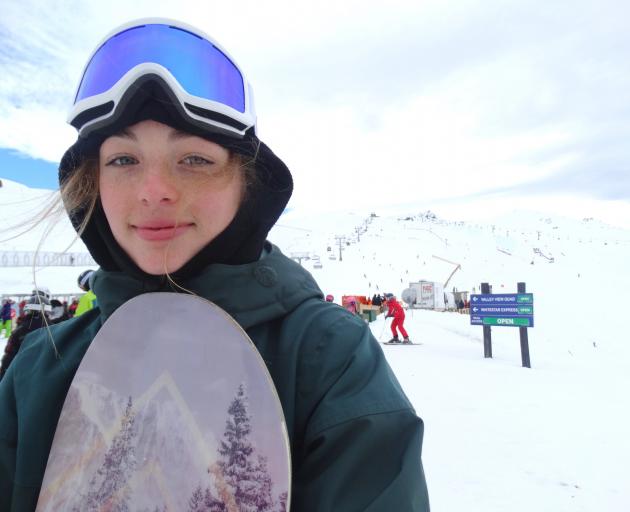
[{"x": 383, "y": 329}]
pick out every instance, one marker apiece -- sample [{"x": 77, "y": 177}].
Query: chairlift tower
[{"x": 340, "y": 241}]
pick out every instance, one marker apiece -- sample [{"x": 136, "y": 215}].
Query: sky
[{"x": 468, "y": 107}]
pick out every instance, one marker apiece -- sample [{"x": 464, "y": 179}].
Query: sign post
[
  {"x": 503, "y": 310},
  {"x": 487, "y": 334},
  {"x": 523, "y": 333}
]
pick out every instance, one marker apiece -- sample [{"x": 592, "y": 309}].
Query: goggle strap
[
  {"x": 91, "y": 114},
  {"x": 215, "y": 116}
]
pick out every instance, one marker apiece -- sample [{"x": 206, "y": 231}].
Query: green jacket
[{"x": 355, "y": 439}]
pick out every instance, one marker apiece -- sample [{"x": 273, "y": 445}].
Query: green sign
[
  {"x": 525, "y": 298},
  {"x": 506, "y": 320}
]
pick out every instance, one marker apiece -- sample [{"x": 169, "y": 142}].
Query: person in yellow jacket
[{"x": 88, "y": 300}]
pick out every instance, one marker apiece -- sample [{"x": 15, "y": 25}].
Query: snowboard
[
  {"x": 403, "y": 344},
  {"x": 171, "y": 409}
]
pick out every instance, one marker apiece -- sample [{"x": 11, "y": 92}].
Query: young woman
[{"x": 170, "y": 188}]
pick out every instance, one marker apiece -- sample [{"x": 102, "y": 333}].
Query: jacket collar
[{"x": 251, "y": 293}]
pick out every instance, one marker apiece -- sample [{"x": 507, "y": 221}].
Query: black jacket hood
[{"x": 241, "y": 241}]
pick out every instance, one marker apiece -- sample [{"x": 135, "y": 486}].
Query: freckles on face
[{"x": 166, "y": 194}]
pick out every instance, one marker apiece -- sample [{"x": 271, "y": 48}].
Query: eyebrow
[
  {"x": 178, "y": 134},
  {"x": 125, "y": 134}
]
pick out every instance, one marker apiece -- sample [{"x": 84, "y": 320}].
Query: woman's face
[{"x": 166, "y": 193}]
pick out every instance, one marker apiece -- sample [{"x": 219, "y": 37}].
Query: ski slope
[{"x": 498, "y": 436}]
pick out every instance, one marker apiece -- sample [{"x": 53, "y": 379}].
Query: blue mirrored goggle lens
[{"x": 200, "y": 68}]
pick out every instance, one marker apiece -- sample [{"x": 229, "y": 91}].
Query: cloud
[
  {"x": 371, "y": 102},
  {"x": 600, "y": 180},
  {"x": 35, "y": 130}
]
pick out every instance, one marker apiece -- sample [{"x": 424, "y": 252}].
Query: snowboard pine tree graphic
[
  {"x": 242, "y": 477},
  {"x": 108, "y": 488},
  {"x": 246, "y": 474}
]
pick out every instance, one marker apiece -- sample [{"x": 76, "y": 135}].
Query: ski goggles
[
  {"x": 38, "y": 306},
  {"x": 204, "y": 82}
]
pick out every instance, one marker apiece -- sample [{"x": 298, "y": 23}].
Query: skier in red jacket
[{"x": 395, "y": 310}]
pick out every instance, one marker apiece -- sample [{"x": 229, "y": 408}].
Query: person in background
[
  {"x": 171, "y": 190},
  {"x": 35, "y": 315},
  {"x": 352, "y": 306},
  {"x": 40, "y": 291},
  {"x": 6, "y": 318},
  {"x": 383, "y": 303},
  {"x": 58, "y": 312},
  {"x": 72, "y": 308},
  {"x": 15, "y": 310},
  {"x": 330, "y": 298},
  {"x": 87, "y": 300},
  {"x": 21, "y": 307},
  {"x": 396, "y": 312}
]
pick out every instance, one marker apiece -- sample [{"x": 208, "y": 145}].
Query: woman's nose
[{"x": 157, "y": 187}]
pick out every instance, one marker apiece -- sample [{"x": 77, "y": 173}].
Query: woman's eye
[
  {"x": 122, "y": 161},
  {"x": 196, "y": 160}
]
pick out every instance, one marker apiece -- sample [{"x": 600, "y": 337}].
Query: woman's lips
[{"x": 157, "y": 232}]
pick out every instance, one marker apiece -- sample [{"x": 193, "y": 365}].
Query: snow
[{"x": 497, "y": 436}]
